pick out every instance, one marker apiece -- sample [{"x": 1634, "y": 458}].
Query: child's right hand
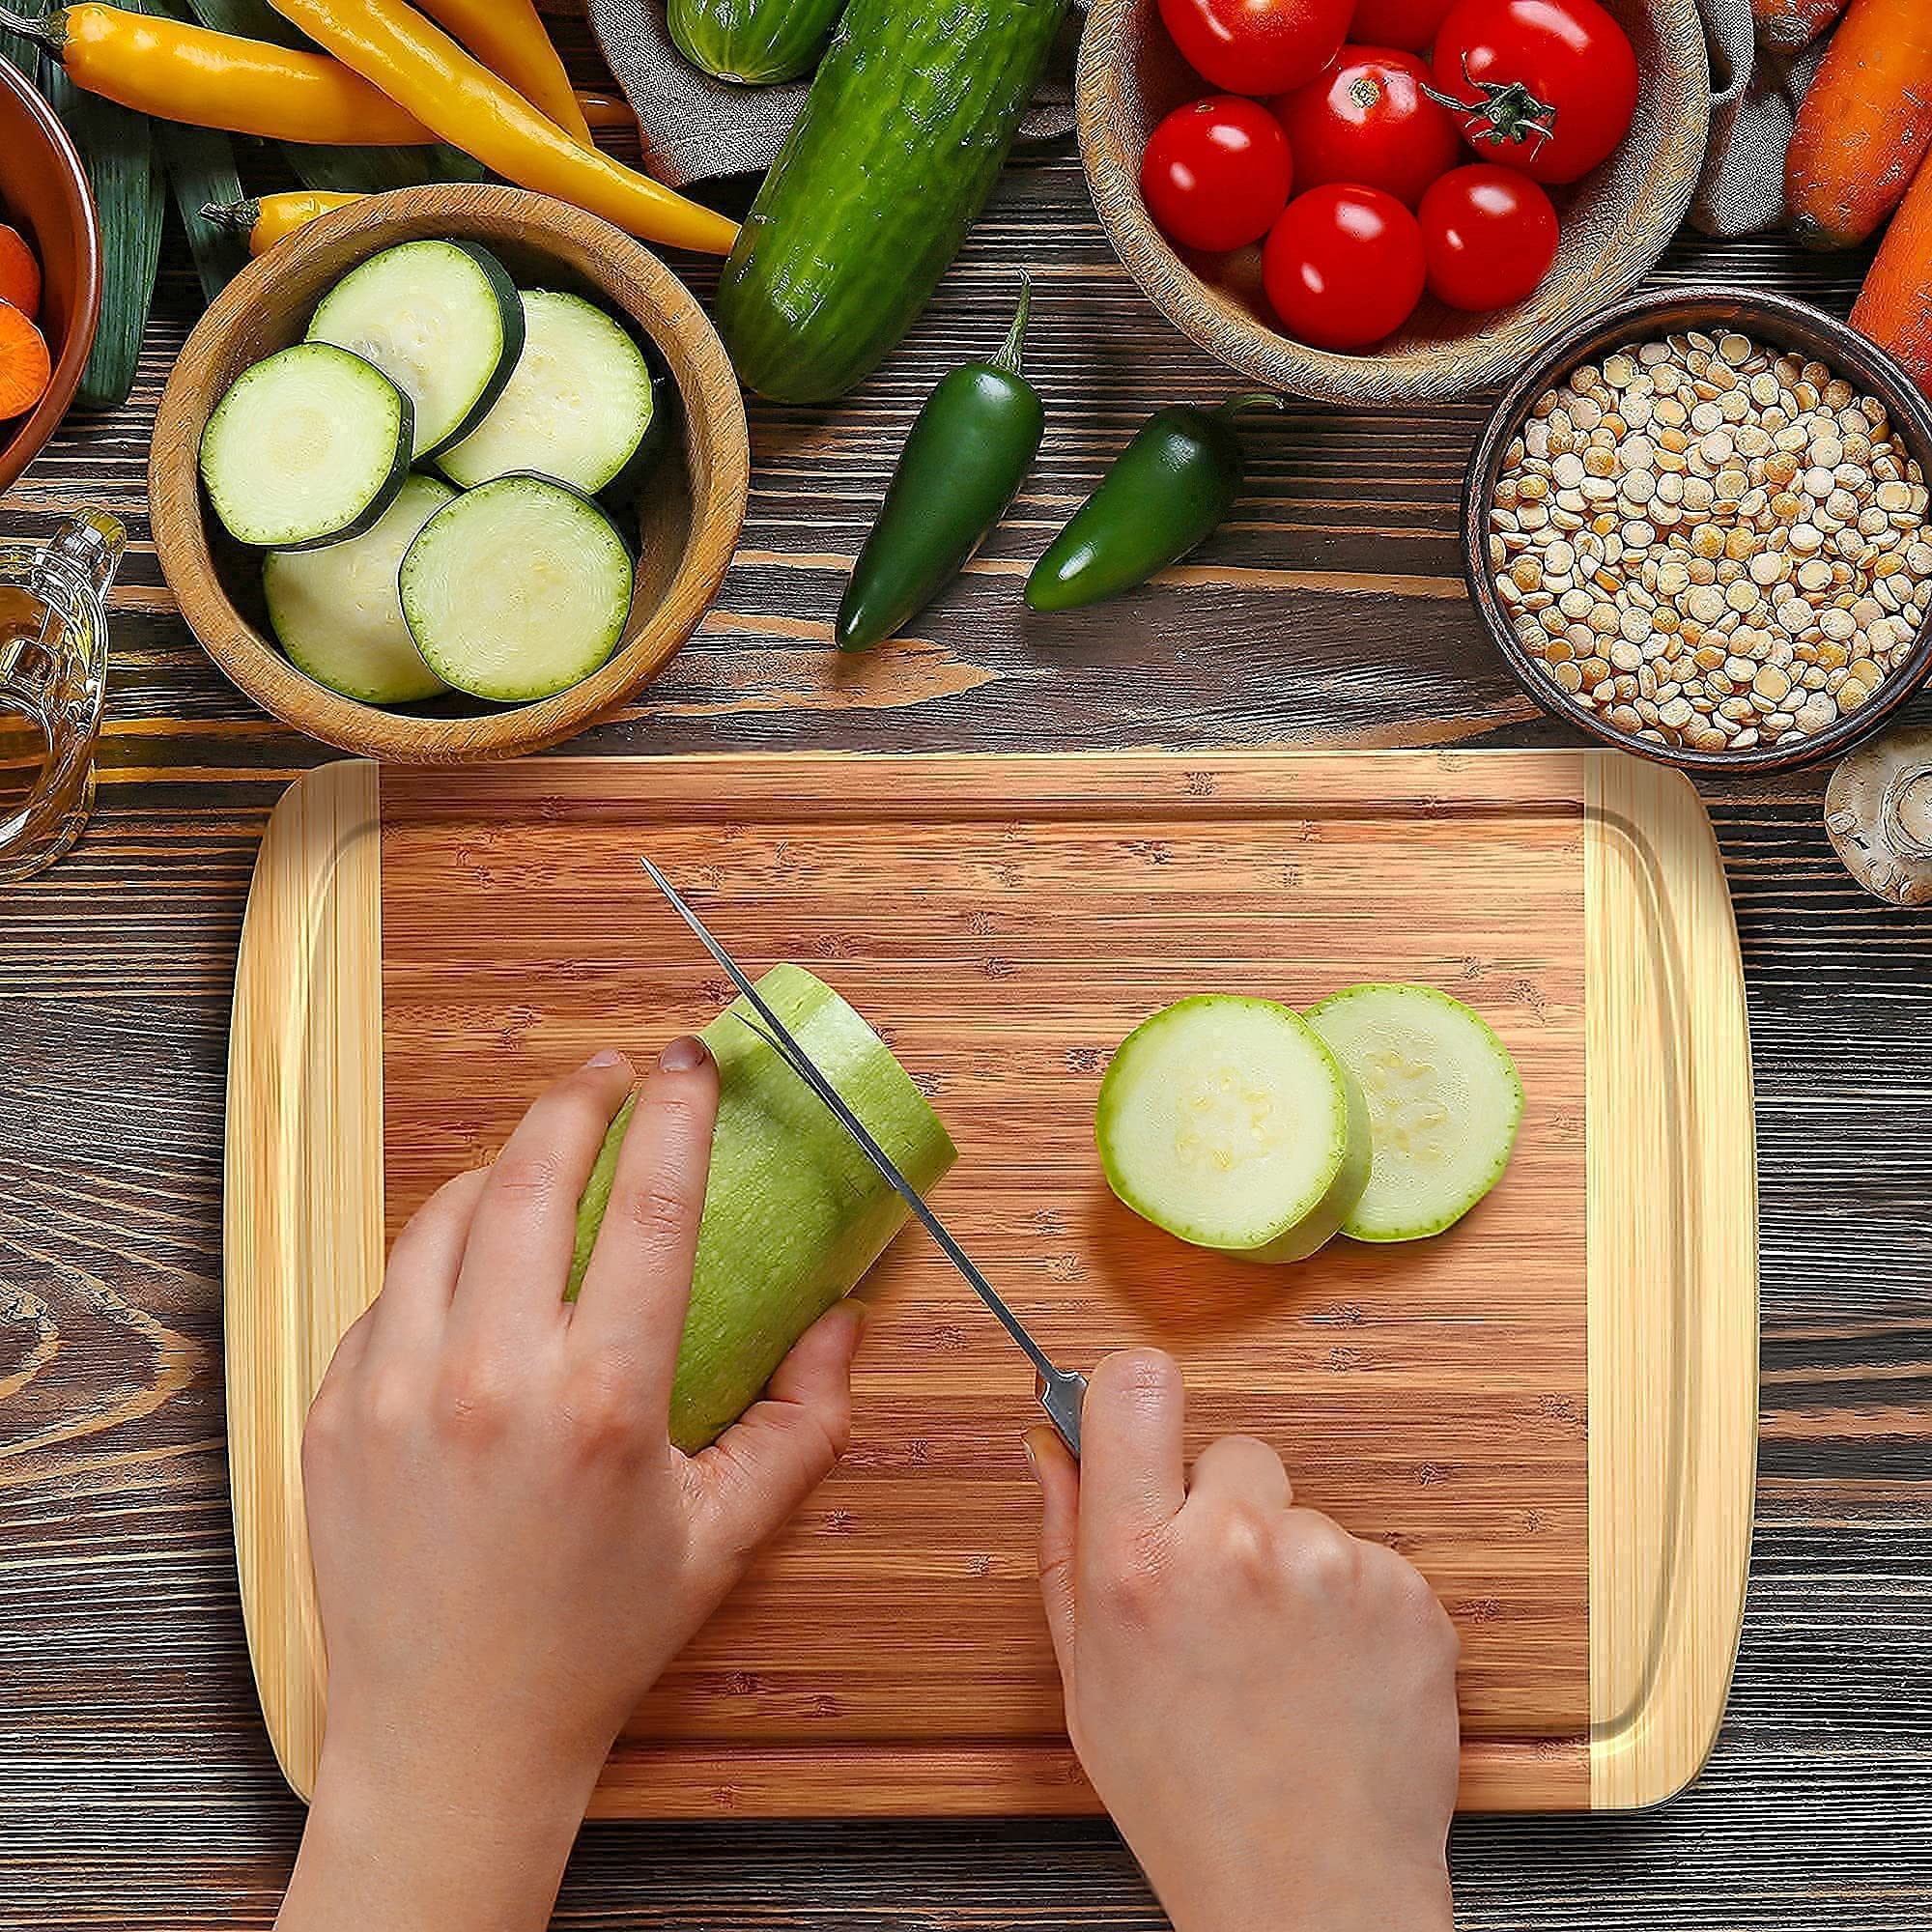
[{"x": 1266, "y": 1706}]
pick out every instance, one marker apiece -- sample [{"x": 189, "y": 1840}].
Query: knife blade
[{"x": 1060, "y": 1391}]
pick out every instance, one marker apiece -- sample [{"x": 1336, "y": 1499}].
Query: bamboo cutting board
[{"x": 1551, "y": 1408}]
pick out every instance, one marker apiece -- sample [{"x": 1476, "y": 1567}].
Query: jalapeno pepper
[
  {"x": 964, "y": 460},
  {"x": 1168, "y": 489}
]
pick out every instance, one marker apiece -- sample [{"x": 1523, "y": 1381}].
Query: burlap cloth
[{"x": 697, "y": 128}]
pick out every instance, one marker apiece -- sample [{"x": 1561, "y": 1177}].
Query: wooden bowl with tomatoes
[{"x": 1384, "y": 201}]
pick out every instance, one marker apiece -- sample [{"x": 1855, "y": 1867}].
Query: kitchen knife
[{"x": 1061, "y": 1391}]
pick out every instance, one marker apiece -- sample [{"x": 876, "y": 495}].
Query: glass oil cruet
[
  {"x": 53, "y": 679},
  {"x": 1878, "y": 810}
]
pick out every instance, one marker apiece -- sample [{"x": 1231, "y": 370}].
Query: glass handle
[
  {"x": 92, "y": 544},
  {"x": 54, "y": 669},
  {"x": 75, "y": 568}
]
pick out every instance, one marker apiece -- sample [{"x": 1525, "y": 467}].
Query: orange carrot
[
  {"x": 20, "y": 272},
  {"x": 1892, "y": 308},
  {"x": 25, "y": 367},
  {"x": 1864, "y": 127},
  {"x": 1790, "y": 24}
]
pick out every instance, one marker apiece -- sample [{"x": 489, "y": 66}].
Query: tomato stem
[{"x": 1507, "y": 108}]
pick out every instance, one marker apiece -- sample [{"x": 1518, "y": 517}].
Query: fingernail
[
  {"x": 1033, "y": 1460},
  {"x": 608, "y": 1056},
  {"x": 684, "y": 1054}
]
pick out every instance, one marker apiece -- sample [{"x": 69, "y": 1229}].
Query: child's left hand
[{"x": 507, "y": 1548}]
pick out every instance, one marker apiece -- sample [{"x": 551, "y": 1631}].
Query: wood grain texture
[
  {"x": 137, "y": 1787},
  {"x": 965, "y": 903},
  {"x": 690, "y": 512},
  {"x": 1617, "y": 222},
  {"x": 302, "y": 1223},
  {"x": 1672, "y": 1258}
]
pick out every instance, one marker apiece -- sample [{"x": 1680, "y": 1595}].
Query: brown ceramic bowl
[
  {"x": 1617, "y": 221},
  {"x": 1774, "y": 322},
  {"x": 690, "y": 508},
  {"x": 43, "y": 193}
]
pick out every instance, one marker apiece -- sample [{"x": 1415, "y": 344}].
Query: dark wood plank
[{"x": 135, "y": 1784}]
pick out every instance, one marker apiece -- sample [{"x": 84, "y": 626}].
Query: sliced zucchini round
[
  {"x": 580, "y": 404},
  {"x": 1227, "y": 1122},
  {"x": 308, "y": 447},
  {"x": 338, "y": 612},
  {"x": 518, "y": 589},
  {"x": 443, "y": 320},
  {"x": 1444, "y": 1104}
]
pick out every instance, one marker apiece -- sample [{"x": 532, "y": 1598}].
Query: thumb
[
  {"x": 762, "y": 1468},
  {"x": 1059, "y": 1480}
]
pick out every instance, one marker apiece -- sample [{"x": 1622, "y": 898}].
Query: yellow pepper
[
  {"x": 178, "y": 73},
  {"x": 416, "y": 64},
  {"x": 509, "y": 38},
  {"x": 271, "y": 217},
  {"x": 606, "y": 110}
]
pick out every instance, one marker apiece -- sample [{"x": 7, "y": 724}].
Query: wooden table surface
[{"x": 136, "y": 1786}]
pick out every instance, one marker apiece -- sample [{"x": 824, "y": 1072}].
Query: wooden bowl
[
  {"x": 43, "y": 192},
  {"x": 1617, "y": 221},
  {"x": 690, "y": 508},
  {"x": 1774, "y": 322}
]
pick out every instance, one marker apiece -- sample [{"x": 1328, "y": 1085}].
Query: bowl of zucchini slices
[{"x": 448, "y": 473}]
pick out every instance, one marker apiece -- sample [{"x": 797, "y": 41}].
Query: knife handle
[{"x": 1061, "y": 1395}]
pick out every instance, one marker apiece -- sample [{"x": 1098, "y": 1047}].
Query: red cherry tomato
[
  {"x": 1257, "y": 46},
  {"x": 1366, "y": 119},
  {"x": 1550, "y": 85},
  {"x": 1399, "y": 23},
  {"x": 1488, "y": 235},
  {"x": 1344, "y": 266},
  {"x": 1216, "y": 173}
]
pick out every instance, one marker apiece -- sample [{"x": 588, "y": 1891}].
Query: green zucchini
[
  {"x": 752, "y": 41},
  {"x": 794, "y": 1214},
  {"x": 1227, "y": 1120},
  {"x": 117, "y": 148},
  {"x": 308, "y": 447},
  {"x": 901, "y": 138},
  {"x": 443, "y": 320}
]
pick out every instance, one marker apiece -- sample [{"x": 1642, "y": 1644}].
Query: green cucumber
[
  {"x": 443, "y": 320},
  {"x": 338, "y": 612},
  {"x": 308, "y": 446},
  {"x": 900, "y": 141},
  {"x": 752, "y": 41},
  {"x": 1444, "y": 1104},
  {"x": 794, "y": 1214},
  {"x": 1227, "y": 1122}
]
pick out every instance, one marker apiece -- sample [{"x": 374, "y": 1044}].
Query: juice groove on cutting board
[{"x": 1004, "y": 922}]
